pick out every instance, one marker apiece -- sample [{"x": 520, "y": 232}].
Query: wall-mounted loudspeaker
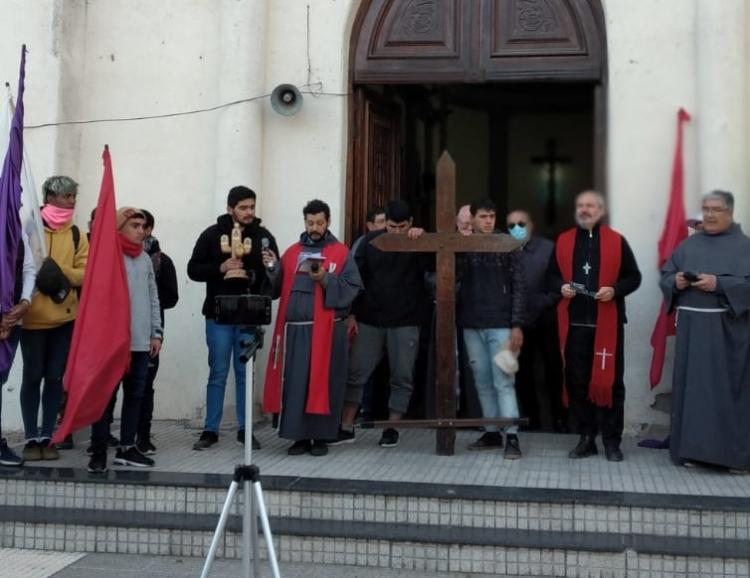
[{"x": 286, "y": 99}]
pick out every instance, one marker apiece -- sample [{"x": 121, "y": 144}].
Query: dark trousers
[
  {"x": 44, "y": 352},
  {"x": 13, "y": 338},
  {"x": 147, "y": 403},
  {"x": 591, "y": 419},
  {"x": 133, "y": 385},
  {"x": 540, "y": 341}
]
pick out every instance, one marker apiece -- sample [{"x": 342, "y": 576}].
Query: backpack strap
[{"x": 76, "y": 237}]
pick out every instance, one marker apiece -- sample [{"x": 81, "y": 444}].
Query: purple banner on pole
[{"x": 10, "y": 204}]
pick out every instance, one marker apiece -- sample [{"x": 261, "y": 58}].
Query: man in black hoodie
[
  {"x": 388, "y": 315},
  {"x": 209, "y": 265},
  {"x": 490, "y": 310}
]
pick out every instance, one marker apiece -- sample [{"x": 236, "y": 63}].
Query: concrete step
[{"x": 414, "y": 526}]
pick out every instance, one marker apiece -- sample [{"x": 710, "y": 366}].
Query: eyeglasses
[
  {"x": 521, "y": 224},
  {"x": 713, "y": 210}
]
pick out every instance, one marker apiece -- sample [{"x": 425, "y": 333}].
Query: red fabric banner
[
  {"x": 674, "y": 232},
  {"x": 100, "y": 350}
]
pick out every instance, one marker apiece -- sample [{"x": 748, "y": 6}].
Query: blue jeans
[
  {"x": 495, "y": 388},
  {"x": 15, "y": 335},
  {"x": 45, "y": 352},
  {"x": 224, "y": 347},
  {"x": 133, "y": 384}
]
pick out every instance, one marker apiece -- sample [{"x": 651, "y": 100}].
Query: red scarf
[
  {"x": 335, "y": 255},
  {"x": 605, "y": 339},
  {"x": 128, "y": 247}
]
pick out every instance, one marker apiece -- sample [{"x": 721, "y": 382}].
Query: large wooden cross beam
[{"x": 445, "y": 243}]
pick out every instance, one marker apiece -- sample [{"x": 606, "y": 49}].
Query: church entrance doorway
[{"x": 513, "y": 89}]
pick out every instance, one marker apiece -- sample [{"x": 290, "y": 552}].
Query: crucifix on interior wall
[{"x": 551, "y": 161}]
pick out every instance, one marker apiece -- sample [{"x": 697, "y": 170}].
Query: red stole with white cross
[
  {"x": 335, "y": 255},
  {"x": 605, "y": 339}
]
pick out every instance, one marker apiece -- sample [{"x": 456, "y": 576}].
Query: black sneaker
[
  {"x": 389, "y": 439},
  {"x": 299, "y": 447},
  {"x": 512, "y": 448},
  {"x": 98, "y": 463},
  {"x": 7, "y": 456},
  {"x": 146, "y": 447},
  {"x": 241, "y": 439},
  {"x": 492, "y": 440},
  {"x": 318, "y": 448},
  {"x": 132, "y": 457},
  {"x": 67, "y": 443},
  {"x": 345, "y": 436},
  {"x": 207, "y": 439},
  {"x": 112, "y": 442}
]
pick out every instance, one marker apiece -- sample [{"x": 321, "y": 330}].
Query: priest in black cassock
[
  {"x": 317, "y": 280},
  {"x": 594, "y": 269},
  {"x": 707, "y": 279}
]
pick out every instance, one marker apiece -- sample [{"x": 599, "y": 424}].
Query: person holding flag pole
[{"x": 119, "y": 313}]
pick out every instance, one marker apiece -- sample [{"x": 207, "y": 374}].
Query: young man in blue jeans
[
  {"x": 145, "y": 343},
  {"x": 210, "y": 265},
  {"x": 490, "y": 310}
]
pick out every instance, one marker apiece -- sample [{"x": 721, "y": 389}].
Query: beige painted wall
[{"x": 121, "y": 58}]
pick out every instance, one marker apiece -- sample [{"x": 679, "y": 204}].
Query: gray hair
[
  {"x": 597, "y": 195},
  {"x": 724, "y": 196},
  {"x": 59, "y": 185}
]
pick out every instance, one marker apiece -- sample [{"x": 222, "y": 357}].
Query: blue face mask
[{"x": 519, "y": 233}]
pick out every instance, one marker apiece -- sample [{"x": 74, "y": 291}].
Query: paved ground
[
  {"x": 545, "y": 463},
  {"x": 43, "y": 564}
]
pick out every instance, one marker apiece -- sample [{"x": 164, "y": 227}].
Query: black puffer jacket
[
  {"x": 207, "y": 259},
  {"x": 491, "y": 292}
]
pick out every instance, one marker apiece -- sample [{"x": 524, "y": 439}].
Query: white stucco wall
[{"x": 129, "y": 58}]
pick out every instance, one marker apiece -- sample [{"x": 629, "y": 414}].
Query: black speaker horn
[{"x": 286, "y": 99}]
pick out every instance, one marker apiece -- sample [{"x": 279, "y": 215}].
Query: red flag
[
  {"x": 100, "y": 350},
  {"x": 675, "y": 231}
]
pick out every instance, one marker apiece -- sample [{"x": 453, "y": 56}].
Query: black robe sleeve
[{"x": 630, "y": 276}]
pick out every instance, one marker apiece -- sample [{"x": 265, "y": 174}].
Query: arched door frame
[{"x": 497, "y": 41}]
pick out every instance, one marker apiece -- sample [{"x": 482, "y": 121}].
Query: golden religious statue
[{"x": 237, "y": 248}]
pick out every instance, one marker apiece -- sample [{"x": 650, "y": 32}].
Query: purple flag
[{"x": 10, "y": 204}]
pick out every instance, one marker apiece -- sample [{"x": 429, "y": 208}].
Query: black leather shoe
[
  {"x": 613, "y": 453},
  {"x": 299, "y": 447},
  {"x": 586, "y": 447}
]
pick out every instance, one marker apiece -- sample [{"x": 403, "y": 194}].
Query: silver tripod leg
[
  {"x": 223, "y": 518},
  {"x": 263, "y": 515},
  {"x": 254, "y": 533},
  {"x": 250, "y": 539}
]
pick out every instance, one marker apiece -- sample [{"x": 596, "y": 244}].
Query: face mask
[{"x": 518, "y": 233}]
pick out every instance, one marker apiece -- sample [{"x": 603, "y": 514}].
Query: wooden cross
[
  {"x": 551, "y": 160},
  {"x": 446, "y": 243}
]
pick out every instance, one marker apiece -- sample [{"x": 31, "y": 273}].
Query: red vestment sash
[
  {"x": 605, "y": 340},
  {"x": 335, "y": 255}
]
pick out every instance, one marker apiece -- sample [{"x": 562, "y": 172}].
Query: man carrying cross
[{"x": 594, "y": 270}]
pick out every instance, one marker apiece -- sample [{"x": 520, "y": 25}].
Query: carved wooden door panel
[
  {"x": 378, "y": 149},
  {"x": 468, "y": 41}
]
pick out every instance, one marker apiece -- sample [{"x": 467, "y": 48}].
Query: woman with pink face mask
[{"x": 48, "y": 324}]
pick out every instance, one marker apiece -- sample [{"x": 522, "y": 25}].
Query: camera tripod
[{"x": 249, "y": 476}]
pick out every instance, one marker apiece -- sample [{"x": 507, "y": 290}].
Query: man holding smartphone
[{"x": 598, "y": 262}]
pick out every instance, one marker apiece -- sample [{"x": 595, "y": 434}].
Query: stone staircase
[{"x": 441, "y": 528}]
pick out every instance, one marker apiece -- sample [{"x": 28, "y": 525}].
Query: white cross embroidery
[
  {"x": 586, "y": 268},
  {"x": 604, "y": 355}
]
